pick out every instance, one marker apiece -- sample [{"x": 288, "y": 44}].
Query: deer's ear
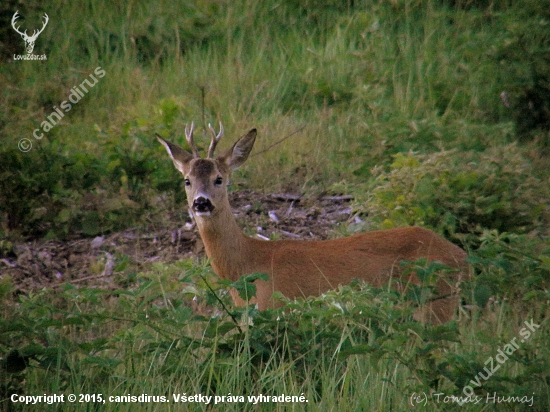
[
  {"x": 238, "y": 153},
  {"x": 179, "y": 156}
]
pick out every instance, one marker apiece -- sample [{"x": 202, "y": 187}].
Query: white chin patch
[{"x": 202, "y": 214}]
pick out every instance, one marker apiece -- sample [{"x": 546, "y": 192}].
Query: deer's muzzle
[{"x": 202, "y": 206}]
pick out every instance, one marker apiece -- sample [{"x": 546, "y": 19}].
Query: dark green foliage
[
  {"x": 512, "y": 267},
  {"x": 38, "y": 189},
  {"x": 49, "y": 192},
  {"x": 524, "y": 69},
  {"x": 496, "y": 189},
  {"x": 470, "y": 4}
]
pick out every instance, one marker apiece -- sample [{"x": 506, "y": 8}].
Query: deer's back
[{"x": 305, "y": 268}]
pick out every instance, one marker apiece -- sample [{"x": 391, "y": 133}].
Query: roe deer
[{"x": 302, "y": 268}]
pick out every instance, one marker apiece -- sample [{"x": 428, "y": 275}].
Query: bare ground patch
[{"x": 97, "y": 261}]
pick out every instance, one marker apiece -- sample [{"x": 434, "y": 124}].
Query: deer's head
[
  {"x": 206, "y": 179},
  {"x": 29, "y": 40}
]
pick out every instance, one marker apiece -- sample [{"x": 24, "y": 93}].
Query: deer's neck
[{"x": 225, "y": 244}]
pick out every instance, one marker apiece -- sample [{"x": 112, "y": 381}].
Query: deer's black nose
[{"x": 202, "y": 205}]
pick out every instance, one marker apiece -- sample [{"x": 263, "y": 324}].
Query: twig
[
  {"x": 278, "y": 142},
  {"x": 291, "y": 234},
  {"x": 201, "y": 87},
  {"x": 7, "y": 262},
  {"x": 338, "y": 198},
  {"x": 221, "y": 302},
  {"x": 88, "y": 278}
]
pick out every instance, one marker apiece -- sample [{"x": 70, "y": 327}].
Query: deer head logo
[{"x": 29, "y": 40}]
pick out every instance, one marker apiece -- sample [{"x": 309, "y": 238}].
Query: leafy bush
[
  {"x": 39, "y": 189},
  {"x": 511, "y": 268},
  {"x": 46, "y": 192},
  {"x": 495, "y": 189}
]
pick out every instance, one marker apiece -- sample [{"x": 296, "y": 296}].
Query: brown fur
[{"x": 307, "y": 268}]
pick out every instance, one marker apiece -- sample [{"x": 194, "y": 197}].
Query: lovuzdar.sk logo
[{"x": 29, "y": 40}]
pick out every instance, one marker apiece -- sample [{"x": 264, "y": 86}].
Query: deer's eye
[
  {"x": 187, "y": 182},
  {"x": 218, "y": 181}
]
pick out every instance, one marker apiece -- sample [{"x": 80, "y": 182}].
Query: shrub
[
  {"x": 37, "y": 188},
  {"x": 495, "y": 189}
]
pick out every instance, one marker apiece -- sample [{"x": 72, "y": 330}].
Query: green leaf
[
  {"x": 357, "y": 350},
  {"x": 215, "y": 329},
  {"x": 482, "y": 293},
  {"x": 245, "y": 285}
]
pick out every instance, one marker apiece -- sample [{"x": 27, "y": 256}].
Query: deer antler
[
  {"x": 15, "y": 17},
  {"x": 190, "y": 141},
  {"x": 215, "y": 139},
  {"x": 37, "y": 32}
]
